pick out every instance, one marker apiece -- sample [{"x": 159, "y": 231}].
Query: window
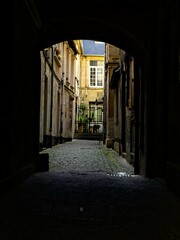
[
  {"x": 96, "y": 73},
  {"x": 99, "y": 114},
  {"x": 96, "y": 112}
]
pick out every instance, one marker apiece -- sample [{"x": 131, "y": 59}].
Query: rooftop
[{"x": 93, "y": 47}]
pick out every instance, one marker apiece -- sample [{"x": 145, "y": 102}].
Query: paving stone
[{"x": 89, "y": 193}]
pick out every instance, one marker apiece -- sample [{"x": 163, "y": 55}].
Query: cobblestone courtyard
[{"x": 89, "y": 193}]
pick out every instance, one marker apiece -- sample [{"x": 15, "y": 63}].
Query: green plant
[
  {"x": 92, "y": 114},
  {"x": 83, "y": 106},
  {"x": 80, "y": 118},
  {"x": 83, "y": 118},
  {"x": 82, "y": 111}
]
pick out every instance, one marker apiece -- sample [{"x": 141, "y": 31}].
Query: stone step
[{"x": 90, "y": 136}]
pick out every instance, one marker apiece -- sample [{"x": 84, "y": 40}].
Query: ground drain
[{"x": 120, "y": 174}]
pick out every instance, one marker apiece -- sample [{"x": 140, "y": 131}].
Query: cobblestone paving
[
  {"x": 90, "y": 193},
  {"x": 86, "y": 156}
]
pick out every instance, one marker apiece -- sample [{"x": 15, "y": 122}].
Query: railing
[{"x": 89, "y": 126}]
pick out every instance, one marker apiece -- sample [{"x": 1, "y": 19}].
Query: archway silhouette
[{"x": 149, "y": 31}]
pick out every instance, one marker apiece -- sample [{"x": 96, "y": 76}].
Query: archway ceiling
[{"x": 128, "y": 25}]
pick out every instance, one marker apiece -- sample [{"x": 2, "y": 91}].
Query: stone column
[{"x": 110, "y": 116}]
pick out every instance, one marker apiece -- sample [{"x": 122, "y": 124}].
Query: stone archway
[
  {"x": 44, "y": 27},
  {"x": 132, "y": 27}
]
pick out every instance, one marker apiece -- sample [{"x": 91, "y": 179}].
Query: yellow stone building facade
[
  {"x": 72, "y": 90},
  {"x": 90, "y": 108}
]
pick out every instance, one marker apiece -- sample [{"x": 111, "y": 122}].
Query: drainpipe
[
  {"x": 51, "y": 104},
  {"x": 62, "y": 98},
  {"x": 105, "y": 98}
]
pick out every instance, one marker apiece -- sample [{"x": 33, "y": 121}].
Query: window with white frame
[{"x": 96, "y": 73}]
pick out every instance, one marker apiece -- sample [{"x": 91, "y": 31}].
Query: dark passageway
[
  {"x": 112, "y": 207},
  {"x": 149, "y": 31},
  {"x": 89, "y": 200}
]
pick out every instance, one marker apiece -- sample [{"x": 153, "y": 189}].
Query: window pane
[
  {"x": 99, "y": 76},
  {"x": 93, "y": 63},
  {"x": 92, "y": 76},
  {"x": 99, "y": 114},
  {"x": 92, "y": 113},
  {"x": 100, "y": 63},
  {"x": 96, "y": 75}
]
